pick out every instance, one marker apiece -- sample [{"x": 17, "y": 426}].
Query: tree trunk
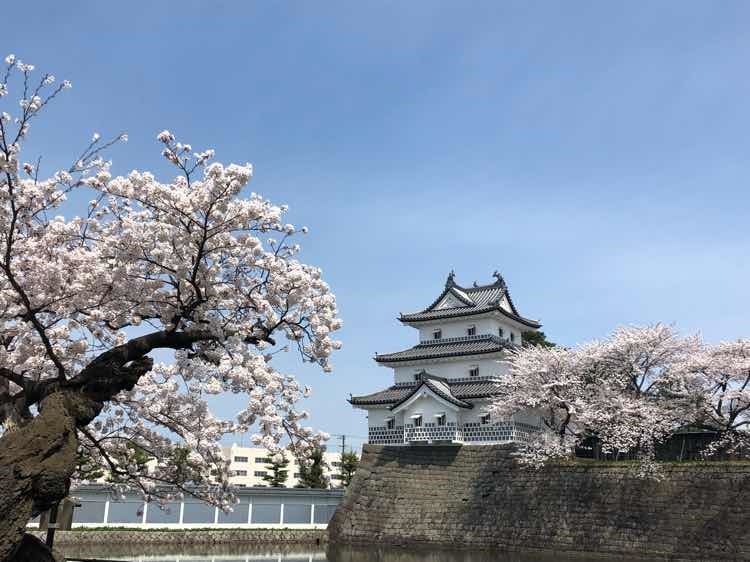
[{"x": 36, "y": 463}]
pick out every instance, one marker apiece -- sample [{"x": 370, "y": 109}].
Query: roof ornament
[
  {"x": 451, "y": 281},
  {"x": 499, "y": 279},
  {"x": 476, "y": 284}
]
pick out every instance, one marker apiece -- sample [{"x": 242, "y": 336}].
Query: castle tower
[{"x": 444, "y": 385}]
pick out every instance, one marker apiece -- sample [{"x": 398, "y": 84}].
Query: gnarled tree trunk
[{"x": 36, "y": 462}]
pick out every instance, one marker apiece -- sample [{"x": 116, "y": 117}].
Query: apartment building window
[
  {"x": 471, "y": 330},
  {"x": 440, "y": 419},
  {"x": 260, "y": 473},
  {"x": 437, "y": 334},
  {"x": 335, "y": 463},
  {"x": 390, "y": 423},
  {"x": 484, "y": 419},
  {"x": 417, "y": 420},
  {"x": 297, "y": 475},
  {"x": 474, "y": 371},
  {"x": 263, "y": 460},
  {"x": 336, "y": 477},
  {"x": 241, "y": 485},
  {"x": 240, "y": 472},
  {"x": 240, "y": 459}
]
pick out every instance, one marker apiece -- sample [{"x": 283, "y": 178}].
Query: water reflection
[{"x": 307, "y": 553}]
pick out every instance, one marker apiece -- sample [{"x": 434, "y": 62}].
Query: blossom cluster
[
  {"x": 630, "y": 392},
  {"x": 194, "y": 259}
]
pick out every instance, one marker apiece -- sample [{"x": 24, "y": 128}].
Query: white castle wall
[
  {"x": 453, "y": 369},
  {"x": 458, "y": 328}
]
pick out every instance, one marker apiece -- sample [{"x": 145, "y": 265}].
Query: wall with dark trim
[{"x": 478, "y": 496}]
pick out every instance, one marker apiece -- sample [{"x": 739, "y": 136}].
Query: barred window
[
  {"x": 240, "y": 459},
  {"x": 471, "y": 330},
  {"x": 260, "y": 473}
]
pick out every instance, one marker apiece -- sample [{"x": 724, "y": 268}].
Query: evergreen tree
[
  {"x": 349, "y": 464},
  {"x": 312, "y": 471},
  {"x": 535, "y": 338},
  {"x": 278, "y": 473}
]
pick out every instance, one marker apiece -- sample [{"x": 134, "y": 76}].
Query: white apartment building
[{"x": 250, "y": 464}]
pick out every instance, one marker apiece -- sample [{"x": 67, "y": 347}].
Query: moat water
[{"x": 305, "y": 553}]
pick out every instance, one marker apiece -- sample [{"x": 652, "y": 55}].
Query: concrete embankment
[
  {"x": 478, "y": 496},
  {"x": 114, "y": 536}
]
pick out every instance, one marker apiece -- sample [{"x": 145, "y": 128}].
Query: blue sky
[{"x": 595, "y": 153}]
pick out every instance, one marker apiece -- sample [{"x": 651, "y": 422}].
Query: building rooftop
[
  {"x": 448, "y": 347},
  {"x": 456, "y": 301},
  {"x": 456, "y": 391}
]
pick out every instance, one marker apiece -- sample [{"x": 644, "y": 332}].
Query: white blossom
[{"x": 185, "y": 258}]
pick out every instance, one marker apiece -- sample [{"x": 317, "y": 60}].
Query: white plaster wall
[
  {"x": 452, "y": 369},
  {"x": 458, "y": 328},
  {"x": 428, "y": 407},
  {"x": 473, "y": 415}
]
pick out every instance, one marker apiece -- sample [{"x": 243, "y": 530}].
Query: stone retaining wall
[
  {"x": 187, "y": 536},
  {"x": 478, "y": 496}
]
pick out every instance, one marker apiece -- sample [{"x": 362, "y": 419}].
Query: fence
[
  {"x": 472, "y": 432},
  {"x": 257, "y": 507}
]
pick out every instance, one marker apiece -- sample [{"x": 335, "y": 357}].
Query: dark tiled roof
[
  {"x": 454, "y": 391},
  {"x": 475, "y": 300},
  {"x": 448, "y": 347}
]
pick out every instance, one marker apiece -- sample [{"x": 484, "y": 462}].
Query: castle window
[
  {"x": 501, "y": 332},
  {"x": 471, "y": 330},
  {"x": 512, "y": 336},
  {"x": 440, "y": 419},
  {"x": 474, "y": 371},
  {"x": 417, "y": 420},
  {"x": 437, "y": 334},
  {"x": 418, "y": 376},
  {"x": 484, "y": 419},
  {"x": 390, "y": 423}
]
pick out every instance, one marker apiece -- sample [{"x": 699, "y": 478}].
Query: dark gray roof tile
[{"x": 448, "y": 347}]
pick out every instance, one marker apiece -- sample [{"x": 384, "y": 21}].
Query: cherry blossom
[
  {"x": 185, "y": 265},
  {"x": 630, "y": 391}
]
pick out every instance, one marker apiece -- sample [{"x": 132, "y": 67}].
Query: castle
[{"x": 444, "y": 385}]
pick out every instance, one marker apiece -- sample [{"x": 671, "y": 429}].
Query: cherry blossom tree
[
  {"x": 193, "y": 267},
  {"x": 629, "y": 391},
  {"x": 721, "y": 383}
]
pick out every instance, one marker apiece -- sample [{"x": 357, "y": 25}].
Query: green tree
[
  {"x": 312, "y": 471},
  {"x": 534, "y": 338},
  {"x": 278, "y": 473},
  {"x": 349, "y": 464}
]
